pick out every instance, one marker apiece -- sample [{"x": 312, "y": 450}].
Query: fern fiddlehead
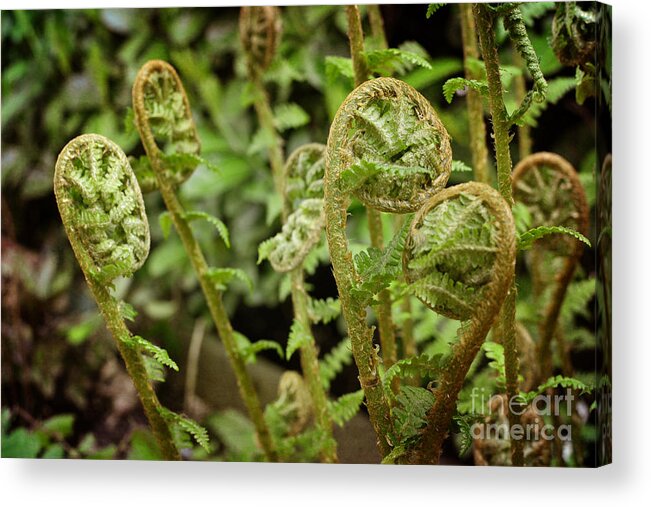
[
  {"x": 145, "y": 90},
  {"x": 388, "y": 147},
  {"x": 260, "y": 32},
  {"x": 303, "y": 175},
  {"x": 549, "y": 187},
  {"x": 459, "y": 258},
  {"x": 574, "y": 33},
  {"x": 104, "y": 217}
]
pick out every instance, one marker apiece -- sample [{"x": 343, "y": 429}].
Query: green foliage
[
  {"x": 250, "y": 350},
  {"x": 216, "y": 222},
  {"x": 432, "y": 8},
  {"x": 184, "y": 427},
  {"x": 333, "y": 363},
  {"x": 221, "y": 277},
  {"x": 460, "y": 167},
  {"x": 323, "y": 310},
  {"x": 147, "y": 347},
  {"x": 495, "y": 352},
  {"x": 557, "y": 381},
  {"x": 456, "y": 84},
  {"x": 290, "y": 116},
  {"x": 527, "y": 239},
  {"x": 450, "y": 256},
  {"x": 298, "y": 337},
  {"x": 422, "y": 365},
  {"x": 466, "y": 438},
  {"x": 391, "y": 61},
  {"x": 410, "y": 412},
  {"x": 344, "y": 408},
  {"x": 378, "y": 268}
]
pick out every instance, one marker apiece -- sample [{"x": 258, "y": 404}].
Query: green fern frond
[
  {"x": 460, "y": 167},
  {"x": 392, "y": 61},
  {"x": 495, "y": 352},
  {"x": 290, "y": 116},
  {"x": 337, "y": 66},
  {"x": 422, "y": 365},
  {"x": 298, "y": 337},
  {"x": 577, "y": 299},
  {"x": 344, "y": 408},
  {"x": 334, "y": 361},
  {"x": 221, "y": 277},
  {"x": 558, "y": 381},
  {"x": 165, "y": 222},
  {"x": 452, "y": 86},
  {"x": 410, "y": 411},
  {"x": 323, "y": 310},
  {"x": 250, "y": 350},
  {"x": 216, "y": 222},
  {"x": 527, "y": 239},
  {"x": 432, "y": 8},
  {"x": 183, "y": 426},
  {"x": 464, "y": 423},
  {"x": 147, "y": 347},
  {"x": 127, "y": 311}
]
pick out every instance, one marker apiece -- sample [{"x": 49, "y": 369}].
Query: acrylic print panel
[{"x": 339, "y": 234}]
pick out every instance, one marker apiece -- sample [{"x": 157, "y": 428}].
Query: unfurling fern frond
[
  {"x": 104, "y": 216},
  {"x": 164, "y": 120},
  {"x": 101, "y": 206},
  {"x": 459, "y": 259},
  {"x": 386, "y": 123},
  {"x": 549, "y": 187},
  {"x": 344, "y": 408},
  {"x": 334, "y": 361},
  {"x": 260, "y": 32},
  {"x": 300, "y": 234},
  {"x": 574, "y": 33}
]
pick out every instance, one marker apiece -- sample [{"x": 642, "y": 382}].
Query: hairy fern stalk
[{"x": 163, "y": 117}]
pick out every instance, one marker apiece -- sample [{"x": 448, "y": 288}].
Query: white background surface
[{"x": 626, "y": 482}]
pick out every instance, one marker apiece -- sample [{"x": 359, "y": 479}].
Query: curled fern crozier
[
  {"x": 302, "y": 230},
  {"x": 260, "y": 32},
  {"x": 164, "y": 120},
  {"x": 101, "y": 206},
  {"x": 386, "y": 126},
  {"x": 574, "y": 33},
  {"x": 460, "y": 259}
]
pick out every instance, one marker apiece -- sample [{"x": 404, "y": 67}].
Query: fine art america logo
[{"x": 532, "y": 425}]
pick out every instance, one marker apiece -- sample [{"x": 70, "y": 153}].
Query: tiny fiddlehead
[
  {"x": 171, "y": 126},
  {"x": 388, "y": 147},
  {"x": 550, "y": 188},
  {"x": 104, "y": 217},
  {"x": 155, "y": 81},
  {"x": 260, "y": 32},
  {"x": 459, "y": 258}
]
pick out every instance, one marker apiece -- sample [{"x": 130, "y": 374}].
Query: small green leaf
[
  {"x": 219, "y": 225},
  {"x": 165, "y": 221},
  {"x": 298, "y": 336},
  {"x": 527, "y": 239},
  {"x": 221, "y": 277},
  {"x": 290, "y": 116},
  {"x": 460, "y": 167},
  {"x": 455, "y": 84},
  {"x": 344, "y": 408},
  {"x": 147, "y": 347},
  {"x": 432, "y": 8}
]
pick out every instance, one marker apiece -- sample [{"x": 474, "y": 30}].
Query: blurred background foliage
[{"x": 67, "y": 72}]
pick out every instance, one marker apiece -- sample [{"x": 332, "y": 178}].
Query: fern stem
[
  {"x": 473, "y": 98},
  {"x": 136, "y": 367},
  {"x": 356, "y": 38},
  {"x": 485, "y": 20},
  {"x": 311, "y": 370},
  {"x": 377, "y": 25},
  {"x": 374, "y": 217},
  {"x": 195, "y": 254},
  {"x": 525, "y": 143}
]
